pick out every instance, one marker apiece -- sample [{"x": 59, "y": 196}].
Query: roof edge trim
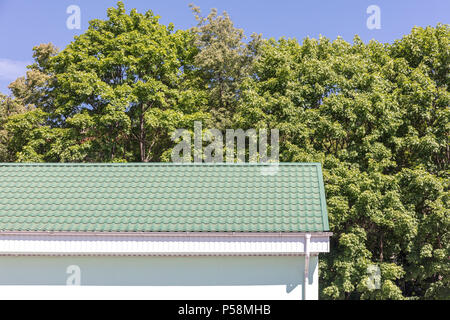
[{"x": 168, "y": 234}]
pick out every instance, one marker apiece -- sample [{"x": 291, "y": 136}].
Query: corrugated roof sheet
[{"x": 162, "y": 197}]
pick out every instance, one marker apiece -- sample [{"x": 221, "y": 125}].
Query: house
[{"x": 239, "y": 231}]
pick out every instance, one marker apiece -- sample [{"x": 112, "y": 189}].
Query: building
[{"x": 239, "y": 231}]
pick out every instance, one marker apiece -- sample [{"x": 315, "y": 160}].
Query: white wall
[{"x": 232, "y": 277}]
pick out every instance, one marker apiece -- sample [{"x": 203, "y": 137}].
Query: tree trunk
[{"x": 142, "y": 134}]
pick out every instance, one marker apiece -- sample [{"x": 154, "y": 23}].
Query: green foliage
[
  {"x": 375, "y": 115},
  {"x": 119, "y": 89},
  {"x": 223, "y": 62}
]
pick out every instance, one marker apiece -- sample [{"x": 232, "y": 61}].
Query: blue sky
[{"x": 26, "y": 23}]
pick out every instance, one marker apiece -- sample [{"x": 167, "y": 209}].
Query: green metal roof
[{"x": 162, "y": 197}]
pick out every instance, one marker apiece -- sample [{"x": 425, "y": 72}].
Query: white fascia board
[{"x": 29, "y": 243}]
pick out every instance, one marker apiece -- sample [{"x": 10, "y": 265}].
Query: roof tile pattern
[{"x": 162, "y": 197}]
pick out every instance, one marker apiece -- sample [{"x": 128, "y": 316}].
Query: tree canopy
[{"x": 375, "y": 115}]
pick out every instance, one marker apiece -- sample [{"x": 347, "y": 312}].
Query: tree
[
  {"x": 224, "y": 60},
  {"x": 28, "y": 93},
  {"x": 120, "y": 87}
]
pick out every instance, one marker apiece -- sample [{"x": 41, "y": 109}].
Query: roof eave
[{"x": 170, "y": 234}]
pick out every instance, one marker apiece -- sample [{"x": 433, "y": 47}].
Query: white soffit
[{"x": 26, "y": 243}]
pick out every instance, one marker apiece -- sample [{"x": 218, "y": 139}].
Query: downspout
[{"x": 306, "y": 275}]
